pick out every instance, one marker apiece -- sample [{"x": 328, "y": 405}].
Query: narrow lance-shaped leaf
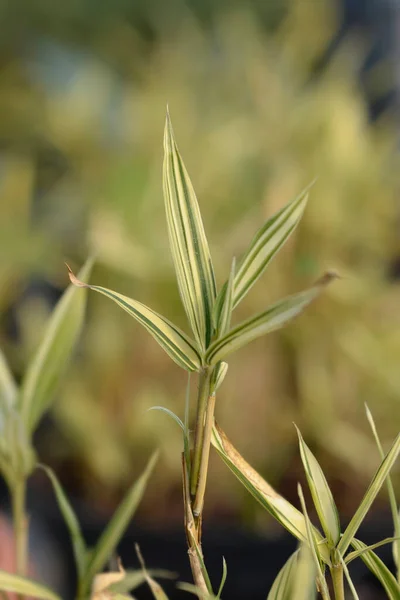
[
  {"x": 273, "y": 318},
  {"x": 71, "y": 521},
  {"x": 315, "y": 555},
  {"x": 283, "y": 584},
  {"x": 25, "y": 587},
  {"x": 116, "y": 527},
  {"x": 284, "y": 512},
  {"x": 321, "y": 493},
  {"x": 266, "y": 243},
  {"x": 304, "y": 584},
  {"x": 49, "y": 363},
  {"x": 174, "y": 341},
  {"x": 379, "y": 569},
  {"x": 370, "y": 495},
  {"x": 391, "y": 493},
  {"x": 188, "y": 242},
  {"x": 222, "y": 311}
]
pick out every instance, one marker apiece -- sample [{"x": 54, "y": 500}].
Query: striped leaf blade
[
  {"x": 49, "y": 363},
  {"x": 273, "y": 318},
  {"x": 370, "y": 495},
  {"x": 321, "y": 493},
  {"x": 189, "y": 246},
  {"x": 266, "y": 244},
  {"x": 282, "y": 587},
  {"x": 172, "y": 339},
  {"x": 313, "y": 548},
  {"x": 391, "y": 493},
  {"x": 284, "y": 512},
  {"x": 223, "y": 306},
  {"x": 378, "y": 568}
]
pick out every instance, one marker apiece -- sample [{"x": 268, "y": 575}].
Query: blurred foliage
[{"x": 81, "y": 153}]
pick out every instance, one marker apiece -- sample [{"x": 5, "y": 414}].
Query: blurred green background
[{"x": 83, "y": 91}]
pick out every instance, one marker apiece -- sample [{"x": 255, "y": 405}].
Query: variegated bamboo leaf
[
  {"x": 321, "y": 493},
  {"x": 284, "y": 512},
  {"x": 224, "y": 304},
  {"x": 188, "y": 242},
  {"x": 266, "y": 243},
  {"x": 391, "y": 493},
  {"x": 49, "y": 363},
  {"x": 313, "y": 547},
  {"x": 273, "y": 318},
  {"x": 174, "y": 341},
  {"x": 283, "y": 584},
  {"x": 379, "y": 569},
  {"x": 370, "y": 495}
]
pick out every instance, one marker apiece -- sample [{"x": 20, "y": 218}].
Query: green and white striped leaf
[
  {"x": 172, "y": 339},
  {"x": 273, "y": 318},
  {"x": 313, "y": 547},
  {"x": 284, "y": 512},
  {"x": 391, "y": 493},
  {"x": 188, "y": 242},
  {"x": 304, "y": 578},
  {"x": 283, "y": 584},
  {"x": 370, "y": 495},
  {"x": 266, "y": 243},
  {"x": 356, "y": 553},
  {"x": 71, "y": 521},
  {"x": 116, "y": 527},
  {"x": 223, "y": 306},
  {"x": 8, "y": 387},
  {"x": 321, "y": 493},
  {"x": 49, "y": 363},
  {"x": 25, "y": 587},
  {"x": 379, "y": 569}
]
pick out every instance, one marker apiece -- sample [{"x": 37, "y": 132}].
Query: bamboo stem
[
  {"x": 337, "y": 581},
  {"x": 202, "y": 480},
  {"x": 204, "y": 384},
  {"x": 20, "y": 522}
]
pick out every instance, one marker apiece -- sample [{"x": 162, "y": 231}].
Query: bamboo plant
[{"x": 209, "y": 312}]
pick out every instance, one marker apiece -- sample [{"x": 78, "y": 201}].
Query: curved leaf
[
  {"x": 273, "y": 318},
  {"x": 379, "y": 569},
  {"x": 174, "y": 341},
  {"x": 188, "y": 242},
  {"x": 71, "y": 521},
  {"x": 282, "y": 586},
  {"x": 284, "y": 512},
  {"x": 116, "y": 527},
  {"x": 370, "y": 495},
  {"x": 321, "y": 493},
  {"x": 266, "y": 243}
]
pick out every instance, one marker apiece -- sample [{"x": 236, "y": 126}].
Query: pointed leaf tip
[{"x": 74, "y": 280}]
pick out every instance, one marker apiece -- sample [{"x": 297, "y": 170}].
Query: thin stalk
[
  {"x": 337, "y": 581},
  {"x": 20, "y": 522},
  {"x": 201, "y": 487},
  {"x": 204, "y": 385}
]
